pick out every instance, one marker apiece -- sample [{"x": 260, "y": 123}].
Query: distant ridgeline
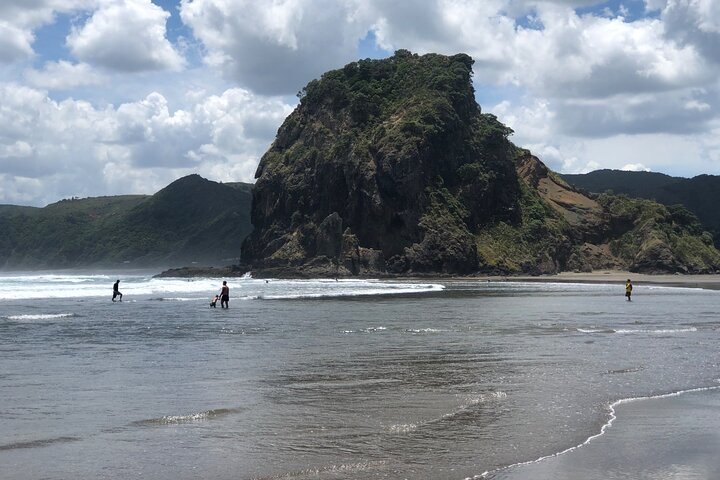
[
  {"x": 390, "y": 167},
  {"x": 700, "y": 195},
  {"x": 190, "y": 220}
]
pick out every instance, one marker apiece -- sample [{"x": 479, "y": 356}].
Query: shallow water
[
  {"x": 671, "y": 436},
  {"x": 326, "y": 379}
]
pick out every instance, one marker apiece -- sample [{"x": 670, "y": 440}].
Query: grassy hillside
[
  {"x": 191, "y": 220},
  {"x": 700, "y": 194},
  {"x": 632, "y": 184}
]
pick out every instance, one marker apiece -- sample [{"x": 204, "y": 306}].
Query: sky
[{"x": 109, "y": 97}]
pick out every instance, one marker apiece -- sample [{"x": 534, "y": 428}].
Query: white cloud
[
  {"x": 584, "y": 76},
  {"x": 63, "y": 75},
  {"x": 276, "y": 48},
  {"x": 15, "y": 43},
  {"x": 635, "y": 167},
  {"x": 682, "y": 155},
  {"x": 19, "y": 19},
  {"x": 597, "y": 76},
  {"x": 695, "y": 23},
  {"x": 532, "y": 121},
  {"x": 76, "y": 149},
  {"x": 18, "y": 149},
  {"x": 587, "y": 90},
  {"x": 22, "y": 190},
  {"x": 126, "y": 35},
  {"x": 685, "y": 154}
]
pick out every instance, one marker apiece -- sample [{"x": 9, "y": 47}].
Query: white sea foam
[
  {"x": 659, "y": 330},
  {"x": 595, "y": 330},
  {"x": 403, "y": 428},
  {"x": 179, "y": 299},
  {"x": 630, "y": 331},
  {"x": 466, "y": 403},
  {"x": 603, "y": 429},
  {"x": 321, "y": 290},
  {"x": 373, "y": 329},
  {"x": 423, "y": 330},
  {"x": 93, "y": 286},
  {"x": 45, "y": 316},
  {"x": 366, "y": 330},
  {"x": 193, "y": 417},
  {"x": 323, "y": 471},
  {"x": 18, "y": 287}
]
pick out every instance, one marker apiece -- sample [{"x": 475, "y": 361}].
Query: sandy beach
[
  {"x": 709, "y": 281},
  {"x": 669, "y": 436},
  {"x": 672, "y": 436}
]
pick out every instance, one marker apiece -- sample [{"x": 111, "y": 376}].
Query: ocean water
[{"x": 325, "y": 379}]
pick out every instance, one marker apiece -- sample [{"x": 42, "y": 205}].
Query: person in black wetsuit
[
  {"x": 224, "y": 295},
  {"x": 116, "y": 291}
]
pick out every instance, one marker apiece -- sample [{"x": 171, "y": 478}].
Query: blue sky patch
[
  {"x": 631, "y": 10},
  {"x": 50, "y": 42},
  {"x": 368, "y": 47}
]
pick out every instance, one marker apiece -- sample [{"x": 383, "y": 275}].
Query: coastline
[
  {"x": 707, "y": 281},
  {"x": 644, "y": 438}
]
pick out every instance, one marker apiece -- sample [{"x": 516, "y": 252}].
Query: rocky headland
[{"x": 390, "y": 168}]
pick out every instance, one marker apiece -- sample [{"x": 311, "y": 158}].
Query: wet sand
[
  {"x": 673, "y": 436},
  {"x": 617, "y": 276}
]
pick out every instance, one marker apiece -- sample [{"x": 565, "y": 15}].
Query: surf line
[{"x": 611, "y": 419}]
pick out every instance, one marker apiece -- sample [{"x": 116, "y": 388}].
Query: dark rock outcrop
[{"x": 389, "y": 167}]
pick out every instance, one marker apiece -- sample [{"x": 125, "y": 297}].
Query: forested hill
[
  {"x": 700, "y": 194},
  {"x": 391, "y": 167},
  {"x": 191, "y": 220}
]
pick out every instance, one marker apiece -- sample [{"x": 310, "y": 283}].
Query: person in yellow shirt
[{"x": 628, "y": 289}]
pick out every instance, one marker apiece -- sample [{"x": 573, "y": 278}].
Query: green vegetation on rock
[
  {"x": 390, "y": 167},
  {"x": 700, "y": 194},
  {"x": 662, "y": 238},
  {"x": 536, "y": 243},
  {"x": 190, "y": 220}
]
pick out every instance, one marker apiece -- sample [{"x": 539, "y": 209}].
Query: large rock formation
[{"x": 390, "y": 167}]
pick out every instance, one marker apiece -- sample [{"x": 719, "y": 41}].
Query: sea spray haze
[{"x": 391, "y": 167}]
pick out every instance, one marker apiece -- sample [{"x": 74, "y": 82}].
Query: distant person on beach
[
  {"x": 116, "y": 291},
  {"x": 628, "y": 289},
  {"x": 213, "y": 302},
  {"x": 224, "y": 295}
]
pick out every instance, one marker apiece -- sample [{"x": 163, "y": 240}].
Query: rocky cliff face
[{"x": 390, "y": 167}]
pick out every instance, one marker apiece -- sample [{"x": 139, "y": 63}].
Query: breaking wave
[
  {"x": 193, "y": 417},
  {"x": 195, "y": 289},
  {"x": 467, "y": 403},
  {"x": 367, "y": 330},
  {"x": 628, "y": 331},
  {"x": 40, "y": 316}
]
